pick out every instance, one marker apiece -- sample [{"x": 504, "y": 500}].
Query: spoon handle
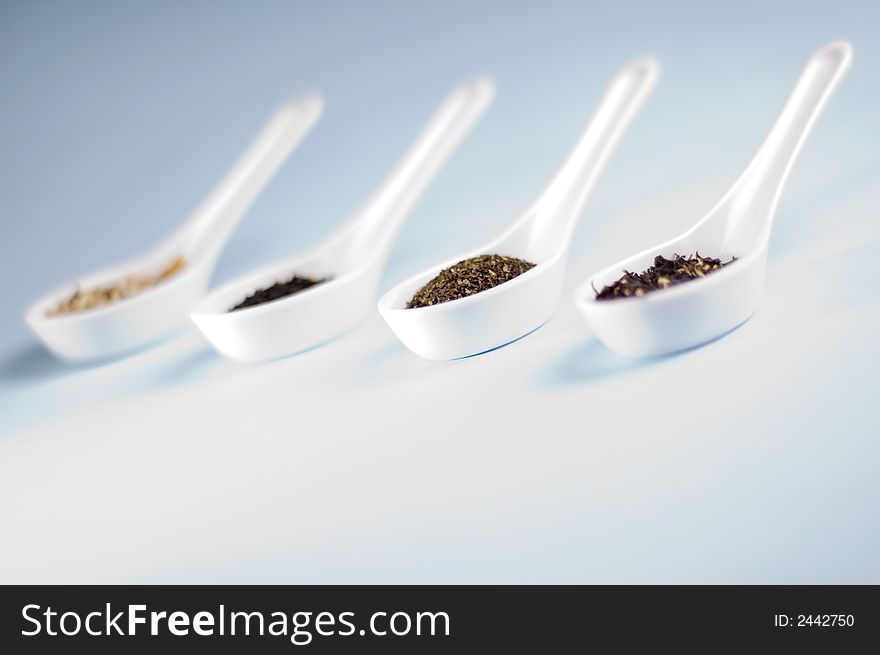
[
  {"x": 753, "y": 198},
  {"x": 377, "y": 222},
  {"x": 207, "y": 230},
  {"x": 558, "y": 207}
]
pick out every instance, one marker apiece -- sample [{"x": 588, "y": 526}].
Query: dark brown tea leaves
[
  {"x": 277, "y": 290},
  {"x": 468, "y": 277},
  {"x": 664, "y": 273}
]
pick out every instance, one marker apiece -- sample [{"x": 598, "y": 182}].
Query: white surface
[{"x": 753, "y": 459}]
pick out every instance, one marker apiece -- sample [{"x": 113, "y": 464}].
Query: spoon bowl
[
  {"x": 489, "y": 319},
  {"x": 144, "y": 317},
  {"x": 478, "y": 323},
  {"x": 689, "y": 314},
  {"x": 351, "y": 261},
  {"x": 293, "y": 323}
]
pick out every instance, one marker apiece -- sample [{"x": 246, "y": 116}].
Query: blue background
[{"x": 117, "y": 118}]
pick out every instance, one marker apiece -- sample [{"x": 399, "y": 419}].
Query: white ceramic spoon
[
  {"x": 140, "y": 319},
  {"x": 683, "y": 316},
  {"x": 353, "y": 258},
  {"x": 541, "y": 235}
]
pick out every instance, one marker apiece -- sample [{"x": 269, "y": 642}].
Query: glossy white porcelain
[
  {"x": 542, "y": 234},
  {"x": 140, "y": 319},
  {"x": 353, "y": 259},
  {"x": 689, "y": 314}
]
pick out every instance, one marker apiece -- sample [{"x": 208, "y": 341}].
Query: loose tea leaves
[
  {"x": 277, "y": 290},
  {"x": 468, "y": 277},
  {"x": 83, "y": 300},
  {"x": 664, "y": 273}
]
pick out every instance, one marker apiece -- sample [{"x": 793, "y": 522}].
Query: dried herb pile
[
  {"x": 277, "y": 290},
  {"x": 664, "y": 273},
  {"x": 84, "y": 299},
  {"x": 468, "y": 277}
]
